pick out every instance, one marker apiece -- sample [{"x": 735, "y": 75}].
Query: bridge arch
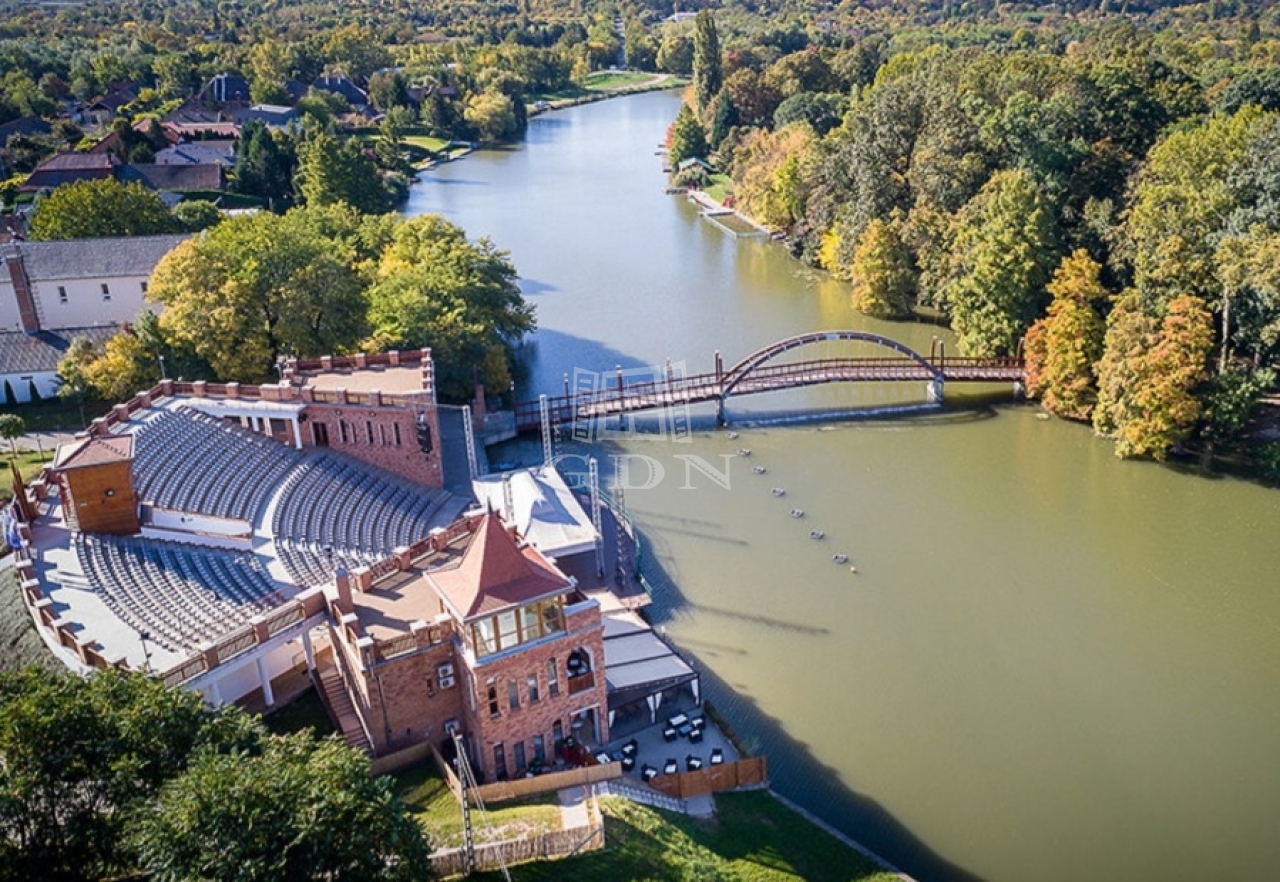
[{"x": 743, "y": 368}]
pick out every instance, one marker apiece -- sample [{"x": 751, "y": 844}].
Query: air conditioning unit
[
  {"x": 447, "y": 682},
  {"x": 452, "y": 727},
  {"x": 444, "y": 669}
]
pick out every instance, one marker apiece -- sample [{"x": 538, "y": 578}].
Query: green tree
[
  {"x": 708, "y": 75},
  {"x": 436, "y": 289},
  {"x": 90, "y": 209},
  {"x": 675, "y": 52},
  {"x": 73, "y": 379},
  {"x": 884, "y": 282},
  {"x": 265, "y": 164},
  {"x": 125, "y": 367},
  {"x": 1005, "y": 245},
  {"x": 357, "y": 51},
  {"x": 12, "y": 427},
  {"x": 195, "y": 215},
  {"x": 332, "y": 171},
  {"x": 687, "y": 140},
  {"x": 254, "y": 288},
  {"x": 1063, "y": 347},
  {"x": 1149, "y": 374},
  {"x": 79, "y": 755},
  {"x": 299, "y": 808},
  {"x": 491, "y": 115}
]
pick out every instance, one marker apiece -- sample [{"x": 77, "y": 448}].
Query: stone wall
[{"x": 386, "y": 437}]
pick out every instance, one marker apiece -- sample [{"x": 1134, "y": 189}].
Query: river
[{"x": 1050, "y": 665}]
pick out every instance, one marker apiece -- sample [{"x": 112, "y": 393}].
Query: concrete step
[{"x": 340, "y": 705}]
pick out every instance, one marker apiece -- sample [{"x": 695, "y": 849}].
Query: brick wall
[
  {"x": 350, "y": 426},
  {"x": 417, "y": 706},
  {"x": 509, "y": 726}
]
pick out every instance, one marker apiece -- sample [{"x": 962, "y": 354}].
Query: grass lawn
[
  {"x": 426, "y": 142},
  {"x": 753, "y": 838},
  {"x": 56, "y": 413},
  {"x": 430, "y": 801},
  {"x": 721, "y": 186},
  {"x": 305, "y": 712},
  {"x": 30, "y": 463},
  {"x": 606, "y": 80},
  {"x": 20, "y": 645}
]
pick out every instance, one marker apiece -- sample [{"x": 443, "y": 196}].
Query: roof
[
  {"x": 67, "y": 167},
  {"x": 496, "y": 572},
  {"x": 340, "y": 85},
  {"x": 226, "y": 87},
  {"x": 27, "y": 125},
  {"x": 545, "y": 511},
  {"x": 635, "y": 657},
  {"x": 91, "y": 451},
  {"x": 194, "y": 154},
  {"x": 105, "y": 258},
  {"x": 202, "y": 176},
  {"x": 276, "y": 114},
  {"x": 22, "y": 353}
]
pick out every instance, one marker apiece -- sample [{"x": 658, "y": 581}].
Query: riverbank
[{"x": 586, "y": 94}]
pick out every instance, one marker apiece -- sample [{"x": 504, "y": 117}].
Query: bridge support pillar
[
  {"x": 933, "y": 390},
  {"x": 720, "y": 421}
]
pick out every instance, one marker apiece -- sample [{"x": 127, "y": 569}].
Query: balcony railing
[{"x": 582, "y": 682}]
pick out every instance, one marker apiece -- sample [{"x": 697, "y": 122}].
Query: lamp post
[
  {"x": 144, "y": 636},
  {"x": 163, "y": 374}
]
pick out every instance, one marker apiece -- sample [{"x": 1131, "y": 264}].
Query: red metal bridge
[{"x": 761, "y": 371}]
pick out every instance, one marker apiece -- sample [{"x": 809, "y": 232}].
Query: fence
[
  {"x": 504, "y": 791},
  {"x": 545, "y": 846},
  {"x": 750, "y": 772}
]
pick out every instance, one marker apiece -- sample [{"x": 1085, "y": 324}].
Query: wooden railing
[{"x": 582, "y": 682}]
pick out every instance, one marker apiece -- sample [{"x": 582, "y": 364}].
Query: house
[
  {"x": 340, "y": 85},
  {"x": 175, "y": 178},
  {"x": 273, "y": 115},
  {"x": 225, "y": 88},
  {"x": 64, "y": 168},
  {"x": 30, "y": 361},
  {"x": 198, "y": 153},
  {"x": 27, "y": 125},
  {"x": 72, "y": 283}
]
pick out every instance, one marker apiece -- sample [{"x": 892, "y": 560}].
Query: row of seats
[
  {"x": 189, "y": 461},
  {"x": 181, "y": 594},
  {"x": 335, "y": 510}
]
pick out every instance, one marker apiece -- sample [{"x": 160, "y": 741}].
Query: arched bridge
[{"x": 596, "y": 395}]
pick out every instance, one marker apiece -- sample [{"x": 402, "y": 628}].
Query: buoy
[
  {"x": 758, "y": 470},
  {"x": 853, "y": 569},
  {"x": 816, "y": 534},
  {"x": 797, "y": 512},
  {"x": 840, "y": 558},
  {"x": 743, "y": 451},
  {"x": 778, "y": 491}
]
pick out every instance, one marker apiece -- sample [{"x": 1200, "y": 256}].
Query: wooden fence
[
  {"x": 545, "y": 846},
  {"x": 504, "y": 791},
  {"x": 749, "y": 772}
]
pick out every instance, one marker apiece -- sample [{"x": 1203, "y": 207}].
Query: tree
[
  {"x": 12, "y": 427},
  {"x": 769, "y": 168},
  {"x": 125, "y": 367},
  {"x": 254, "y": 288},
  {"x": 91, "y": 209},
  {"x": 491, "y": 114},
  {"x": 707, "y": 73},
  {"x": 357, "y": 51},
  {"x": 1063, "y": 347},
  {"x": 1005, "y": 244},
  {"x": 73, "y": 379},
  {"x": 79, "y": 755},
  {"x": 687, "y": 140},
  {"x": 331, "y": 171},
  {"x": 436, "y": 289},
  {"x": 884, "y": 282},
  {"x": 299, "y": 808},
  {"x": 1149, "y": 374},
  {"x": 196, "y": 214},
  {"x": 265, "y": 164},
  {"x": 675, "y": 52},
  {"x": 387, "y": 89},
  {"x": 822, "y": 111}
]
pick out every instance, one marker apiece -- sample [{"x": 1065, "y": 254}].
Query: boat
[
  {"x": 778, "y": 491},
  {"x": 816, "y": 534},
  {"x": 744, "y": 451},
  {"x": 797, "y": 512},
  {"x": 840, "y": 558},
  {"x": 731, "y": 435},
  {"x": 758, "y": 470}
]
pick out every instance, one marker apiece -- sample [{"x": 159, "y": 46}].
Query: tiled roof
[
  {"x": 496, "y": 573},
  {"x": 174, "y": 177},
  {"x": 105, "y": 258},
  {"x": 94, "y": 451},
  {"x": 22, "y": 353}
]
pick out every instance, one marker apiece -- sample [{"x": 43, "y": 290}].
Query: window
[
  {"x": 143, "y": 286},
  {"x": 519, "y": 754},
  {"x": 395, "y": 427},
  {"x": 513, "y": 694},
  {"x": 499, "y": 762},
  {"x": 533, "y": 688},
  {"x": 552, "y": 620},
  {"x": 553, "y": 684},
  {"x": 484, "y": 637},
  {"x": 493, "y": 697},
  {"x": 382, "y": 435},
  {"x": 529, "y": 623},
  {"x": 557, "y": 732},
  {"x": 368, "y": 430},
  {"x": 62, "y": 294},
  {"x": 106, "y": 292},
  {"x": 507, "y": 636},
  {"x": 539, "y": 750},
  {"x": 342, "y": 431}
]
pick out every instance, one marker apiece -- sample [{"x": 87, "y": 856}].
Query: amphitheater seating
[
  {"x": 189, "y": 461},
  {"x": 183, "y": 595},
  {"x": 335, "y": 510}
]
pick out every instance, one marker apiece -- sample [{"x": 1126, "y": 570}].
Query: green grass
[
  {"x": 430, "y": 801},
  {"x": 752, "y": 838},
  {"x": 304, "y": 712},
  {"x": 721, "y": 186},
  {"x": 20, "y": 645},
  {"x": 58, "y": 414},
  {"x": 426, "y": 142},
  {"x": 29, "y": 463},
  {"x": 604, "y": 81}
]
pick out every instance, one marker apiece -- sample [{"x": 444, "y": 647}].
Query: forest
[{"x": 1095, "y": 192}]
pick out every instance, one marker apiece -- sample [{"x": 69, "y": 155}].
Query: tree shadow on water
[{"x": 794, "y": 771}]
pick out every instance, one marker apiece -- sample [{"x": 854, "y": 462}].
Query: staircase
[{"x": 339, "y": 704}]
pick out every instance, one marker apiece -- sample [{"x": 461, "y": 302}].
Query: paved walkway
[{"x": 574, "y": 812}]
